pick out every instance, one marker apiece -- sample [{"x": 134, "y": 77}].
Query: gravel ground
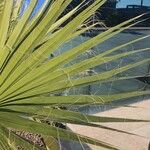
[{"x": 34, "y": 138}]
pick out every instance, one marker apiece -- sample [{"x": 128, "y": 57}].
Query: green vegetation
[{"x": 29, "y": 79}]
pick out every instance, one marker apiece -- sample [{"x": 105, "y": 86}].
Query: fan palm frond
[{"x": 30, "y": 80}]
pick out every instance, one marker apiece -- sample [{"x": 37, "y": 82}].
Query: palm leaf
[{"x": 29, "y": 79}]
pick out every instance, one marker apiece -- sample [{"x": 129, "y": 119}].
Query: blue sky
[{"x": 123, "y": 3}]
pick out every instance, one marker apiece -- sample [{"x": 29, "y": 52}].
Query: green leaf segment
[{"x": 29, "y": 80}]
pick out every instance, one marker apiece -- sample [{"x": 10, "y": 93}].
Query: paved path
[{"x": 141, "y": 110}]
